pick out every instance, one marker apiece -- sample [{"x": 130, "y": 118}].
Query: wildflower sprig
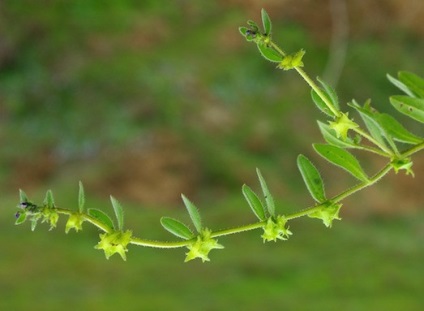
[{"x": 378, "y": 133}]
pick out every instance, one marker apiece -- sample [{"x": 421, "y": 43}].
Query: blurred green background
[{"x": 148, "y": 99}]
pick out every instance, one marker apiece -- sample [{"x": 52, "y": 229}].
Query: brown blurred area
[{"x": 158, "y": 165}]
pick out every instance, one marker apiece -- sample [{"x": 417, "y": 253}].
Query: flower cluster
[
  {"x": 201, "y": 247},
  {"x": 114, "y": 242},
  {"x": 276, "y": 229}
]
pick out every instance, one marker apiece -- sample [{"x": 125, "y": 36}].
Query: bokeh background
[{"x": 149, "y": 99}]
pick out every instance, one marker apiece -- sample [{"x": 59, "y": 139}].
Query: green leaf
[
  {"x": 396, "y": 130},
  {"x": 48, "y": 199},
  {"x": 400, "y": 85},
  {"x": 119, "y": 212},
  {"x": 413, "y": 82},
  {"x": 341, "y": 158},
  {"x": 101, "y": 216},
  {"x": 22, "y": 196},
  {"x": 312, "y": 178},
  {"x": 21, "y": 218},
  {"x": 269, "y": 53},
  {"x": 330, "y": 137},
  {"x": 194, "y": 213},
  {"x": 34, "y": 222},
  {"x": 254, "y": 27},
  {"x": 177, "y": 228},
  {"x": 81, "y": 198},
  {"x": 330, "y": 93},
  {"x": 372, "y": 124},
  {"x": 254, "y": 202},
  {"x": 411, "y": 107},
  {"x": 321, "y": 105},
  {"x": 269, "y": 200},
  {"x": 266, "y": 22}
]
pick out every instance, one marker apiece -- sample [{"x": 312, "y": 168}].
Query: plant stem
[
  {"x": 311, "y": 82},
  {"x": 387, "y": 151}
]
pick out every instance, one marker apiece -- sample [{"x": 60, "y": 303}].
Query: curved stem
[{"x": 387, "y": 151}]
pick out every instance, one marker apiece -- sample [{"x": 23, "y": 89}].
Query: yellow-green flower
[
  {"x": 274, "y": 230},
  {"x": 115, "y": 242},
  {"x": 327, "y": 213},
  {"x": 342, "y": 125},
  {"x": 202, "y": 246},
  {"x": 50, "y": 216},
  {"x": 74, "y": 222}
]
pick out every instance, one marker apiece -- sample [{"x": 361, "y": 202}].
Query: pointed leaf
[
  {"x": 266, "y": 22},
  {"x": 177, "y": 228},
  {"x": 341, "y": 158},
  {"x": 330, "y": 137},
  {"x": 321, "y": 105},
  {"x": 373, "y": 126},
  {"x": 269, "y": 53},
  {"x": 312, "y": 178},
  {"x": 22, "y": 196},
  {"x": 330, "y": 93},
  {"x": 34, "y": 222},
  {"x": 101, "y": 216},
  {"x": 253, "y": 25},
  {"x": 194, "y": 213},
  {"x": 413, "y": 82},
  {"x": 81, "y": 198},
  {"x": 254, "y": 202},
  {"x": 400, "y": 85},
  {"x": 48, "y": 199},
  {"x": 269, "y": 200},
  {"x": 396, "y": 130},
  {"x": 119, "y": 212},
  {"x": 412, "y": 107},
  {"x": 21, "y": 218}
]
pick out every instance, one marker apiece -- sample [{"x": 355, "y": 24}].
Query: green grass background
[{"x": 85, "y": 86}]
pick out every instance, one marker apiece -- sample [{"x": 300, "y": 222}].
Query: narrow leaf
[
  {"x": 312, "y": 178},
  {"x": 177, "y": 228},
  {"x": 269, "y": 53},
  {"x": 254, "y": 202},
  {"x": 396, "y": 130},
  {"x": 321, "y": 105},
  {"x": 269, "y": 200},
  {"x": 81, "y": 198},
  {"x": 330, "y": 93},
  {"x": 266, "y": 22},
  {"x": 119, "y": 212},
  {"x": 22, "y": 196},
  {"x": 341, "y": 158},
  {"x": 101, "y": 217},
  {"x": 331, "y": 137},
  {"x": 373, "y": 126},
  {"x": 411, "y": 107},
  {"x": 400, "y": 85},
  {"x": 48, "y": 199},
  {"x": 194, "y": 213},
  {"x": 413, "y": 82}
]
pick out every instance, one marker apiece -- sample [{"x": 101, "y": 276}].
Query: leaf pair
[
  {"x": 260, "y": 210},
  {"x": 330, "y": 95},
  {"x": 102, "y": 216},
  {"x": 383, "y": 127},
  {"x": 413, "y": 104},
  {"x": 178, "y": 228},
  {"x": 335, "y": 155},
  {"x": 262, "y": 39}
]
